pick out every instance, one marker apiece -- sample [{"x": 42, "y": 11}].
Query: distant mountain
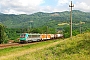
[
  {"x": 1, "y": 13},
  {"x": 43, "y": 19}
]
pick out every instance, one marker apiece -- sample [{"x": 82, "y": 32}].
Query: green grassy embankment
[
  {"x": 8, "y": 53},
  {"x": 77, "y": 48}
]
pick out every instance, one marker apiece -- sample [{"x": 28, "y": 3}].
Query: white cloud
[
  {"x": 46, "y": 9},
  {"x": 32, "y": 6},
  {"x": 20, "y": 6},
  {"x": 63, "y": 2},
  {"x": 30, "y": 2},
  {"x": 82, "y": 6}
]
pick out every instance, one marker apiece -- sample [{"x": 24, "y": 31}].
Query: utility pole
[
  {"x": 31, "y": 24},
  {"x": 71, "y": 19},
  {"x": 80, "y": 27}
]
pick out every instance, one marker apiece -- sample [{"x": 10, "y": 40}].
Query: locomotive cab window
[{"x": 22, "y": 35}]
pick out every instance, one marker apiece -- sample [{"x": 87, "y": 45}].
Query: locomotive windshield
[{"x": 22, "y": 35}]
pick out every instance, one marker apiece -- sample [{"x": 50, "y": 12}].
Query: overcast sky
[{"x": 33, "y": 6}]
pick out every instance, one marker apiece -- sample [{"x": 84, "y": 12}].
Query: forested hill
[{"x": 41, "y": 19}]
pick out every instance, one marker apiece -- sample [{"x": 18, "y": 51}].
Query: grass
[
  {"x": 75, "y": 48},
  {"x": 17, "y": 49}
]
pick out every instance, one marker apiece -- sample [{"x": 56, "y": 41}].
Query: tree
[
  {"x": 2, "y": 34},
  {"x": 66, "y": 32}
]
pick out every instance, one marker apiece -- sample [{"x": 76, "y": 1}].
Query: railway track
[
  {"x": 8, "y": 45},
  {"x": 2, "y": 46}
]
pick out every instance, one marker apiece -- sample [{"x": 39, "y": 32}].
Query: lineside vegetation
[{"x": 77, "y": 48}]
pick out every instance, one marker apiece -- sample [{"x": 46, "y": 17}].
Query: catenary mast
[{"x": 71, "y": 19}]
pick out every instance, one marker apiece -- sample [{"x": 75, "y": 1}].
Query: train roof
[{"x": 34, "y": 34}]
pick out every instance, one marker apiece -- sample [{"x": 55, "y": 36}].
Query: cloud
[
  {"x": 63, "y": 2},
  {"x": 26, "y": 7},
  {"x": 32, "y": 6},
  {"x": 84, "y": 6},
  {"x": 20, "y": 6}
]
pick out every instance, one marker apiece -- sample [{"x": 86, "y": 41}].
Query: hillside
[
  {"x": 43, "y": 19},
  {"x": 76, "y": 48}
]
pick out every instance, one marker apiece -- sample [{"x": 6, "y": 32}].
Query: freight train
[{"x": 31, "y": 37}]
